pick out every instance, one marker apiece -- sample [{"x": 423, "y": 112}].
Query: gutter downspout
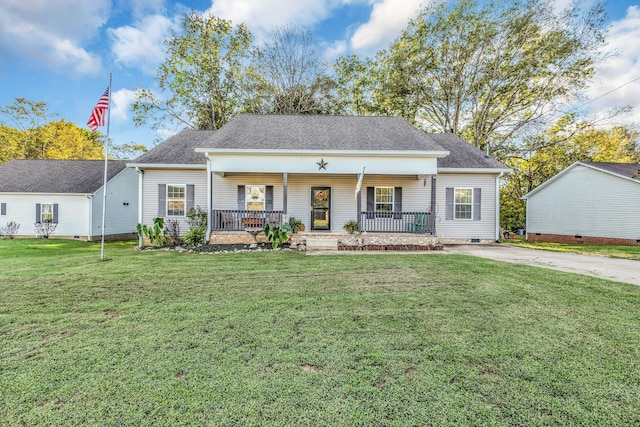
[
  {"x": 140, "y": 178},
  {"x": 209, "y": 198},
  {"x": 498, "y": 207},
  {"x": 90, "y": 231}
]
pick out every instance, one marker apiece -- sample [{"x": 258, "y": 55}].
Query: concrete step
[{"x": 314, "y": 244}]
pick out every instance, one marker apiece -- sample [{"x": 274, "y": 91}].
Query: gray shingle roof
[
  {"x": 463, "y": 155},
  {"x": 316, "y": 132},
  {"x": 56, "y": 176},
  {"x": 628, "y": 170}
]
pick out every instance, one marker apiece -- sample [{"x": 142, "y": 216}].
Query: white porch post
[
  {"x": 209, "y": 198},
  {"x": 285, "y": 190},
  {"x": 432, "y": 216}
]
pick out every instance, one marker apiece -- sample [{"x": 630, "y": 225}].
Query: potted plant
[
  {"x": 350, "y": 226},
  {"x": 296, "y": 225}
]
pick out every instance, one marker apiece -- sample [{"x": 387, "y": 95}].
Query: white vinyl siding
[
  {"x": 463, "y": 231},
  {"x": 586, "y": 202},
  {"x": 153, "y": 177},
  {"x": 122, "y": 205},
  {"x": 73, "y": 215}
]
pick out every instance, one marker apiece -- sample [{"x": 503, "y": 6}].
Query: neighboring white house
[
  {"x": 69, "y": 193},
  {"x": 261, "y": 169},
  {"x": 593, "y": 203}
]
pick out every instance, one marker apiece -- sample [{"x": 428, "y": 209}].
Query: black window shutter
[
  {"x": 38, "y": 213},
  {"x": 3, "y": 208},
  {"x": 190, "y": 196},
  {"x": 448, "y": 203},
  {"x": 241, "y": 205},
  {"x": 476, "y": 204},
  {"x": 55, "y": 213},
  {"x": 397, "y": 201},
  {"x": 162, "y": 200},
  {"x": 268, "y": 198},
  {"x": 371, "y": 202}
]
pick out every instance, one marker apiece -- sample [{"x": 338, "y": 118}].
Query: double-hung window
[
  {"x": 463, "y": 203},
  {"x": 176, "y": 200},
  {"x": 46, "y": 212},
  {"x": 254, "y": 197},
  {"x": 384, "y": 199}
]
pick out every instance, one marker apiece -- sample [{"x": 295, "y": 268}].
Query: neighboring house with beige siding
[
  {"x": 69, "y": 194},
  {"x": 260, "y": 169},
  {"x": 588, "y": 202}
]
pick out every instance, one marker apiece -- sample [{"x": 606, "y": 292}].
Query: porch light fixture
[{"x": 322, "y": 164}]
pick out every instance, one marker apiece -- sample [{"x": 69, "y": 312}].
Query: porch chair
[
  {"x": 274, "y": 219},
  {"x": 228, "y": 222},
  {"x": 419, "y": 224}
]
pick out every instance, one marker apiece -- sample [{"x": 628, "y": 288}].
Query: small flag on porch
[
  {"x": 359, "y": 184},
  {"x": 99, "y": 112}
]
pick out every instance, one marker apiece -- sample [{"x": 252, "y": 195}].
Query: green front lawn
[
  {"x": 630, "y": 252},
  {"x": 280, "y": 338}
]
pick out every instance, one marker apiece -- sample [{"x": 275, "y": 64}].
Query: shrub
[
  {"x": 197, "y": 217},
  {"x": 173, "y": 229},
  {"x": 44, "y": 229},
  {"x": 277, "y": 235},
  {"x": 11, "y": 229},
  {"x": 350, "y": 226},
  {"x": 156, "y": 233},
  {"x": 296, "y": 225},
  {"x": 195, "y": 236}
]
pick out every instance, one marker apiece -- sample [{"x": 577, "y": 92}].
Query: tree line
[{"x": 502, "y": 75}]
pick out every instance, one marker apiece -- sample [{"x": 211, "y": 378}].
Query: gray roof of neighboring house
[
  {"x": 628, "y": 170},
  {"x": 316, "y": 132},
  {"x": 56, "y": 176}
]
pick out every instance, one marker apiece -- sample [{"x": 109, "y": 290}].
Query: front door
[{"x": 320, "y": 208}]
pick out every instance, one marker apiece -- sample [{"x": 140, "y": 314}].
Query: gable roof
[
  {"x": 56, "y": 176},
  {"x": 463, "y": 155},
  {"x": 319, "y": 133},
  {"x": 628, "y": 171}
]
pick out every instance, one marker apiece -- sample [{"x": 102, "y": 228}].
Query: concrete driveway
[{"x": 620, "y": 270}]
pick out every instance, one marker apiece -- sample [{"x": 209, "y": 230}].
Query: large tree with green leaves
[
  {"x": 486, "y": 71},
  {"x": 203, "y": 80}
]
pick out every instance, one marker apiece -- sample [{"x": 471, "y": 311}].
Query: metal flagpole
[{"x": 106, "y": 163}]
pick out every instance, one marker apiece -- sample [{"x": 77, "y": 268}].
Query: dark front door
[{"x": 320, "y": 208}]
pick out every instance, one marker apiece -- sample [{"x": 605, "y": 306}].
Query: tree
[
  {"x": 21, "y": 139},
  {"x": 289, "y": 76},
  {"x": 204, "y": 76},
  {"x": 486, "y": 70}
]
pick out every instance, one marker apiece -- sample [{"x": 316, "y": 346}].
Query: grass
[
  {"x": 629, "y": 252},
  {"x": 279, "y": 338}
]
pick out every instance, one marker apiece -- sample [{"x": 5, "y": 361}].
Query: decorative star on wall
[{"x": 322, "y": 164}]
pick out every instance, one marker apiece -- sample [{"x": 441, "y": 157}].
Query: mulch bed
[{"x": 402, "y": 248}]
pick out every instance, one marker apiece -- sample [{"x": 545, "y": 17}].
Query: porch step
[{"x": 322, "y": 244}]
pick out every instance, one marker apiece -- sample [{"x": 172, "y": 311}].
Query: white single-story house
[
  {"x": 69, "y": 194},
  {"x": 416, "y": 187},
  {"x": 588, "y": 202}
]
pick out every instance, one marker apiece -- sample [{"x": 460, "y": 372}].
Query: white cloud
[
  {"x": 388, "y": 19},
  {"x": 141, "y": 8},
  {"x": 336, "y": 49},
  {"x": 52, "y": 33},
  {"x": 262, "y": 16},
  {"x": 141, "y": 45},
  {"x": 121, "y": 101},
  {"x": 617, "y": 74}
]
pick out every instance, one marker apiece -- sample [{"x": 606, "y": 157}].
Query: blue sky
[{"x": 62, "y": 51}]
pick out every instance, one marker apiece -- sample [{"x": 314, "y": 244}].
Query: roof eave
[
  {"x": 167, "y": 166},
  {"x": 475, "y": 170},
  {"x": 346, "y": 153}
]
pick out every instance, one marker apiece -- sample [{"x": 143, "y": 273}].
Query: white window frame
[
  {"x": 43, "y": 213},
  {"x": 457, "y": 203},
  {"x": 261, "y": 196},
  {"x": 388, "y": 203},
  {"x": 173, "y": 199}
]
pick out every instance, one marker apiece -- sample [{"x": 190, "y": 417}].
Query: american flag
[{"x": 99, "y": 111}]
